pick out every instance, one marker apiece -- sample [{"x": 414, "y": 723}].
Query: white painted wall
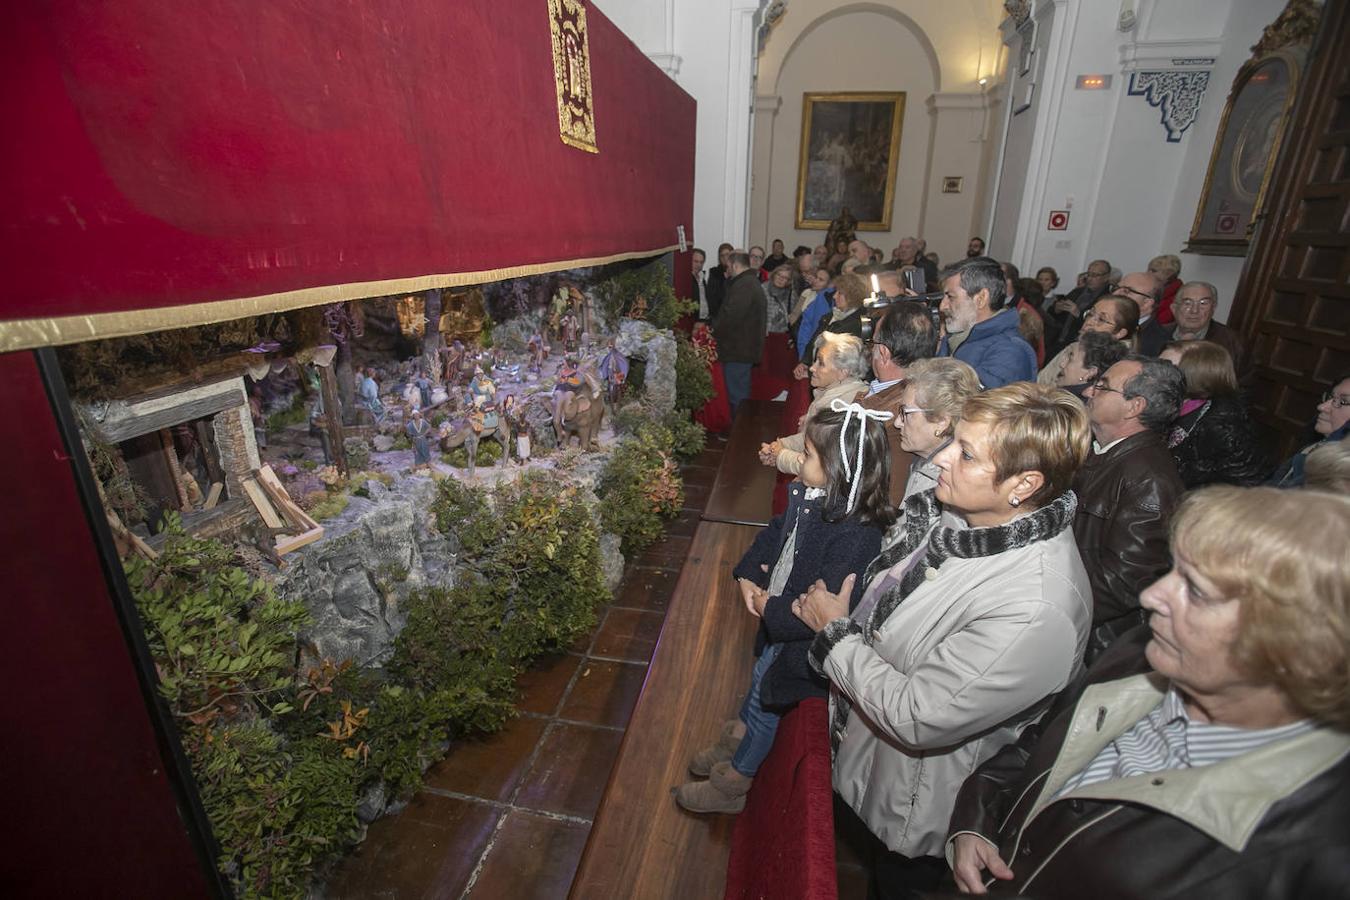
[
  {"x": 708, "y": 48},
  {"x": 1104, "y": 154},
  {"x": 882, "y": 55}
]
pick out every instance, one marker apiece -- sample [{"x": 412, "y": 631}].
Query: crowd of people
[{"x": 1078, "y": 634}]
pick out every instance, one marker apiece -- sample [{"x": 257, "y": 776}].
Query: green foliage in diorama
[
  {"x": 618, "y": 295},
  {"x": 489, "y": 454},
  {"x": 639, "y": 486},
  {"x": 533, "y": 555},
  {"x": 294, "y": 414},
  {"x": 223, "y": 642},
  {"x": 693, "y": 380},
  {"x": 333, "y": 504},
  {"x": 687, "y": 437}
]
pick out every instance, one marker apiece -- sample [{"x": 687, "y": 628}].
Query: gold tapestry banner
[{"x": 572, "y": 74}]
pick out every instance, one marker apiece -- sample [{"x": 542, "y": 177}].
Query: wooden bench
[{"x": 642, "y": 844}]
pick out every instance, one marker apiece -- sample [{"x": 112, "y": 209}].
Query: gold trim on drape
[{"x": 26, "y": 334}]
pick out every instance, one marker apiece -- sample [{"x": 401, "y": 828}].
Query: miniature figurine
[
  {"x": 423, "y": 383},
  {"x": 539, "y": 349},
  {"x": 578, "y": 408},
  {"x": 453, "y": 361},
  {"x": 419, "y": 430},
  {"x": 570, "y": 330},
  {"x": 369, "y": 396},
  {"x": 639, "y": 308},
  {"x": 517, "y": 431},
  {"x": 614, "y": 372},
  {"x": 482, "y": 390}
]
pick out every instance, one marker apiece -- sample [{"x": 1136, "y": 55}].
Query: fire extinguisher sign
[{"x": 1059, "y": 220}]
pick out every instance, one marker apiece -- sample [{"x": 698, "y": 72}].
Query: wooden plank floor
[
  {"x": 642, "y": 845},
  {"x": 743, "y": 492}
]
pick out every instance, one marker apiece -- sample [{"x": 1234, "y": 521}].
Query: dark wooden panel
[
  {"x": 1293, "y": 302},
  {"x": 642, "y": 844},
  {"x": 743, "y": 492}
]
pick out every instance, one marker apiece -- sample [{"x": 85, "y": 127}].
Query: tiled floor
[{"x": 508, "y": 815}]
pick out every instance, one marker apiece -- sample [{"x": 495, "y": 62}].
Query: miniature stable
[{"x": 348, "y": 528}]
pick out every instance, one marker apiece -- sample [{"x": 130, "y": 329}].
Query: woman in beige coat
[
  {"x": 974, "y": 614},
  {"x": 837, "y": 373}
]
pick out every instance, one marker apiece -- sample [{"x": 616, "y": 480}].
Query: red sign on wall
[{"x": 1059, "y": 220}]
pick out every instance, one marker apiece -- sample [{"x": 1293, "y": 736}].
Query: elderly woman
[
  {"x": 931, "y": 399},
  {"x": 1086, "y": 359},
  {"x": 1113, "y": 315},
  {"x": 1166, "y": 270},
  {"x": 1212, "y": 438},
  {"x": 1223, "y": 771},
  {"x": 837, "y": 373},
  {"x": 1333, "y": 423},
  {"x": 976, "y": 611},
  {"x": 844, "y": 317}
]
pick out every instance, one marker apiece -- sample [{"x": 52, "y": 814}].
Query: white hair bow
[{"x": 850, "y": 410}]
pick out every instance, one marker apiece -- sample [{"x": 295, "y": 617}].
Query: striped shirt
[{"x": 1167, "y": 738}]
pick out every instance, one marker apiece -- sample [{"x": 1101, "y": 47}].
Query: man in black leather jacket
[{"x": 1126, "y": 490}]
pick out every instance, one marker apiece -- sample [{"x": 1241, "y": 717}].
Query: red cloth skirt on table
[
  {"x": 782, "y": 845},
  {"x": 770, "y": 378},
  {"x": 715, "y": 415}
]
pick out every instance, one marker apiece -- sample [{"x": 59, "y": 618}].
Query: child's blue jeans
[{"x": 760, "y": 724}]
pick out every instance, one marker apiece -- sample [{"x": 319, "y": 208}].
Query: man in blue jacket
[{"x": 972, "y": 303}]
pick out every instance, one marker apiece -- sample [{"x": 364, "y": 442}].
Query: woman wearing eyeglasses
[
  {"x": 1333, "y": 422},
  {"x": 930, "y": 406}
]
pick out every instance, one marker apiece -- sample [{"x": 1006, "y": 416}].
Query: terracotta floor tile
[
  {"x": 571, "y": 770},
  {"x": 427, "y": 851},
  {"x": 542, "y": 687},
  {"x": 492, "y": 766},
  {"x": 534, "y": 858},
  {"x": 604, "y": 693},
  {"x": 645, "y": 588},
  {"x": 668, "y": 553},
  {"x": 628, "y": 634}
]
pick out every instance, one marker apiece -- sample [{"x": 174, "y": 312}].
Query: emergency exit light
[{"x": 1093, "y": 82}]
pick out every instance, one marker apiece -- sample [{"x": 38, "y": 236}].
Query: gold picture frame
[
  {"x": 1250, "y": 134},
  {"x": 840, "y": 164}
]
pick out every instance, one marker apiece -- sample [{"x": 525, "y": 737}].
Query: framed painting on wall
[
  {"x": 1248, "y": 141},
  {"x": 850, "y": 148}
]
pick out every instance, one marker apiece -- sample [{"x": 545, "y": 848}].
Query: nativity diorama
[{"x": 349, "y": 527}]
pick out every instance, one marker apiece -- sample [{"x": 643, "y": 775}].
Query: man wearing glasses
[
  {"x": 1127, "y": 490},
  {"x": 1143, "y": 289},
  {"x": 1194, "y": 310},
  {"x": 1064, "y": 318}
]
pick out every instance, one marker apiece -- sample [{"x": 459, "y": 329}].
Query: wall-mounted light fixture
[{"x": 1093, "y": 82}]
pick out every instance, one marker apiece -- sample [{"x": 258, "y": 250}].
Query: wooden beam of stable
[
  {"x": 262, "y": 504},
  {"x": 124, "y": 422},
  {"x": 642, "y": 844}
]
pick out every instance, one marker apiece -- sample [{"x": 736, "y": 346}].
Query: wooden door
[{"x": 1293, "y": 302}]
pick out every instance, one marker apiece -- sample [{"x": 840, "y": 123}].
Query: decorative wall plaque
[
  {"x": 1178, "y": 94},
  {"x": 572, "y": 74}
]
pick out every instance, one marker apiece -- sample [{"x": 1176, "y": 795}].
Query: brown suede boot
[
  {"x": 727, "y": 742},
  {"x": 723, "y": 792}
]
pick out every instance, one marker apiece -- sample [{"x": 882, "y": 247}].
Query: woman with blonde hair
[
  {"x": 1166, "y": 270},
  {"x": 1214, "y": 764},
  {"x": 976, "y": 611},
  {"x": 1212, "y": 438}
]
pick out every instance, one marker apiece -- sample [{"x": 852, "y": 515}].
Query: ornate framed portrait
[
  {"x": 849, "y": 151},
  {"x": 1248, "y": 142}
]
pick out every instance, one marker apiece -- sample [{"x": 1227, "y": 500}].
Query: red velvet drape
[
  {"x": 160, "y": 154},
  {"x": 782, "y": 846}
]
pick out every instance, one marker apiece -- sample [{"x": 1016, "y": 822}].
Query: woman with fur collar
[{"x": 976, "y": 611}]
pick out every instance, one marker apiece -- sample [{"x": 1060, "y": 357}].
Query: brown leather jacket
[
  {"x": 1125, "y": 498},
  {"x": 1136, "y": 841},
  {"x": 888, "y": 400}
]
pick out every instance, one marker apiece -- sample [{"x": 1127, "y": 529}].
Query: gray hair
[
  {"x": 1213, "y": 291},
  {"x": 846, "y": 350},
  {"x": 1162, "y": 386},
  {"x": 942, "y": 385},
  {"x": 1328, "y": 468}
]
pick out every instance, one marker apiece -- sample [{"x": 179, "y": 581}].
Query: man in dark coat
[
  {"x": 1063, "y": 319},
  {"x": 1194, "y": 310},
  {"x": 739, "y": 326},
  {"x": 716, "y": 286},
  {"x": 1127, "y": 490}
]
